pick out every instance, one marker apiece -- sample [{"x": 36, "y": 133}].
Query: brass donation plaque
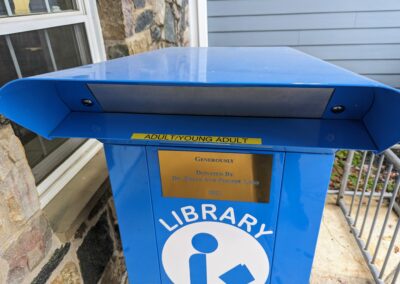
[{"x": 216, "y": 175}]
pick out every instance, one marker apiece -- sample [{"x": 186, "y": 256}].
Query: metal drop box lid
[{"x": 292, "y": 101}]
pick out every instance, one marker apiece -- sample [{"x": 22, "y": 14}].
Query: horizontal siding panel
[
  {"x": 336, "y": 52},
  {"x": 263, "y": 7},
  {"x": 314, "y": 37},
  {"x": 281, "y": 22},
  {"x": 378, "y": 19},
  {"x": 304, "y": 21},
  {"x": 359, "y": 35},
  {"x": 377, "y": 67},
  {"x": 391, "y": 80},
  {"x": 253, "y": 39},
  {"x": 353, "y": 36}
]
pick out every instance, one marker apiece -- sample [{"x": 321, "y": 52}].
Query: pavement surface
[{"x": 338, "y": 258}]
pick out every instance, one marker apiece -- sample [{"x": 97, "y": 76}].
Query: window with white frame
[{"x": 39, "y": 36}]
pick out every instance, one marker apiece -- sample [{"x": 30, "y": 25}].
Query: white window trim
[
  {"x": 63, "y": 174},
  {"x": 93, "y": 31},
  {"x": 18, "y": 24},
  {"x": 87, "y": 15},
  {"x": 198, "y": 23}
]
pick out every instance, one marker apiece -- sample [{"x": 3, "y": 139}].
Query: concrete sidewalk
[{"x": 338, "y": 258}]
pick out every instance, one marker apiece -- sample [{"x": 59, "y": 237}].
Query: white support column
[
  {"x": 198, "y": 23},
  {"x": 93, "y": 30}
]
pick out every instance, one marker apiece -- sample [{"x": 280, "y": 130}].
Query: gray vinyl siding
[{"x": 359, "y": 35}]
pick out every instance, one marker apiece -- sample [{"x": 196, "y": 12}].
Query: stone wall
[
  {"x": 29, "y": 250},
  {"x": 142, "y": 25},
  {"x": 25, "y": 235}
]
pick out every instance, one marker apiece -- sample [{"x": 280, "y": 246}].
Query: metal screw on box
[
  {"x": 87, "y": 102},
  {"x": 219, "y": 158},
  {"x": 338, "y": 109}
]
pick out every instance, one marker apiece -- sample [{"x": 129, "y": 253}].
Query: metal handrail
[{"x": 352, "y": 212}]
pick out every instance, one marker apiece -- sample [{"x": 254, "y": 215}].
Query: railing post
[
  {"x": 393, "y": 162},
  {"x": 346, "y": 172}
]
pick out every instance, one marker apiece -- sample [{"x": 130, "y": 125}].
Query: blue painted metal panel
[
  {"x": 34, "y": 105},
  {"x": 305, "y": 182},
  {"x": 381, "y": 120},
  {"x": 289, "y": 134},
  {"x": 357, "y": 105},
  {"x": 131, "y": 189},
  {"x": 79, "y": 91},
  {"x": 135, "y": 177},
  {"x": 58, "y": 111},
  {"x": 273, "y": 66},
  {"x": 265, "y": 213}
]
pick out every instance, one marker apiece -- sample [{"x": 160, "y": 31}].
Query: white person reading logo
[{"x": 203, "y": 250}]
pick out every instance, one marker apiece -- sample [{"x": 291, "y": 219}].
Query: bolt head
[
  {"x": 338, "y": 109},
  {"x": 87, "y": 102}
]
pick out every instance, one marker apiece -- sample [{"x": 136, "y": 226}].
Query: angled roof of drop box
[{"x": 278, "y": 94}]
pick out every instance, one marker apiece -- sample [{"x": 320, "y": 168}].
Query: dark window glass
[
  {"x": 3, "y": 11},
  {"x": 70, "y": 46},
  {"x": 32, "y": 52},
  {"x": 39, "y": 52},
  {"x": 7, "y": 69}
]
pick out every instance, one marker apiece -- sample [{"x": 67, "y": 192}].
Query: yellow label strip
[{"x": 196, "y": 138}]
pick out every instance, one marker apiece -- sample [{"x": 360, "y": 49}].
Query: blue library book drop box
[{"x": 219, "y": 158}]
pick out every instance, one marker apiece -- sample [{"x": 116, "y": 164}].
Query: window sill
[
  {"x": 72, "y": 205},
  {"x": 61, "y": 176}
]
